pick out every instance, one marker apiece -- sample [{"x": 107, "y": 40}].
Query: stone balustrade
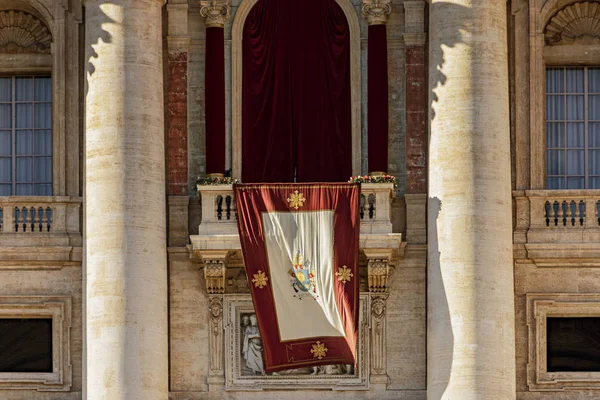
[
  {"x": 39, "y": 214},
  {"x": 218, "y": 225},
  {"x": 219, "y": 214},
  {"x": 555, "y": 227},
  {"x": 35, "y": 222}
]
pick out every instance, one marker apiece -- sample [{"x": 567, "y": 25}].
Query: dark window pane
[
  {"x": 43, "y": 89},
  {"x": 577, "y": 182},
  {"x": 5, "y": 169},
  {"x": 594, "y": 107},
  {"x": 5, "y": 143},
  {"x": 594, "y": 182},
  {"x": 5, "y": 190},
  {"x": 42, "y": 189},
  {"x": 575, "y": 80},
  {"x": 555, "y": 162},
  {"x": 24, "y": 143},
  {"x": 555, "y": 108},
  {"x": 554, "y": 80},
  {"x": 575, "y": 134},
  {"x": 42, "y": 169},
  {"x": 594, "y": 80},
  {"x": 24, "y": 169},
  {"x": 5, "y": 89},
  {"x": 42, "y": 143},
  {"x": 5, "y": 116},
  {"x": 555, "y": 183},
  {"x": 24, "y": 89},
  {"x": 594, "y": 128},
  {"x": 25, "y": 345},
  {"x": 43, "y": 116},
  {"x": 575, "y": 108},
  {"x": 573, "y": 344},
  {"x": 555, "y": 135},
  {"x": 575, "y": 162},
  {"x": 24, "y": 190},
  {"x": 24, "y": 115}
]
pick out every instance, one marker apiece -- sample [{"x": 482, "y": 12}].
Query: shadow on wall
[
  {"x": 95, "y": 24},
  {"x": 445, "y": 34}
]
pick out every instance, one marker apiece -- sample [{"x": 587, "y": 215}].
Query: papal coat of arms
[{"x": 303, "y": 278}]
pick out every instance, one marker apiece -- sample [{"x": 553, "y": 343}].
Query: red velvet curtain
[{"x": 296, "y": 117}]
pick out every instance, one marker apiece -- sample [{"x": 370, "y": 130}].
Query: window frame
[
  {"x": 539, "y": 308},
  {"x": 565, "y": 121},
  {"x": 59, "y": 309},
  {"x": 13, "y": 129}
]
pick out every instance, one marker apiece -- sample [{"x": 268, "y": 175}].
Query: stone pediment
[
  {"x": 578, "y": 23},
  {"x": 21, "y": 32}
]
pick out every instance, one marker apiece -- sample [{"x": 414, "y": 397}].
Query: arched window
[
  {"x": 296, "y": 91},
  {"x": 572, "y": 90},
  {"x": 25, "y": 106}
]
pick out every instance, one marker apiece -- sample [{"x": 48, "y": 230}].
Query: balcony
[
  {"x": 218, "y": 243},
  {"x": 558, "y": 227},
  {"x": 36, "y": 228}
]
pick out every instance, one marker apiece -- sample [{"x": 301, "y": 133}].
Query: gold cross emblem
[
  {"x": 319, "y": 350},
  {"x": 344, "y": 274},
  {"x": 260, "y": 280},
  {"x": 296, "y": 200}
]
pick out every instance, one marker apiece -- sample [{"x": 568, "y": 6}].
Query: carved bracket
[{"x": 215, "y": 268}]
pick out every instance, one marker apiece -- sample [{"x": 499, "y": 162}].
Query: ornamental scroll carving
[
  {"x": 216, "y": 335},
  {"x": 378, "y": 358},
  {"x": 21, "y": 32},
  {"x": 215, "y": 12},
  {"x": 577, "y": 23}
]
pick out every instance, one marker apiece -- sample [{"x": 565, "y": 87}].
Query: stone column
[
  {"x": 470, "y": 329},
  {"x": 376, "y": 13},
  {"x": 126, "y": 282},
  {"x": 215, "y": 13}
]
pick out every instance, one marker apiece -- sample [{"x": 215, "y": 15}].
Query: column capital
[
  {"x": 376, "y": 12},
  {"x": 215, "y": 12}
]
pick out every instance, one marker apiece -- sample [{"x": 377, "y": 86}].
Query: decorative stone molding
[
  {"x": 379, "y": 270},
  {"x": 215, "y": 13},
  {"x": 378, "y": 342},
  {"x": 539, "y": 308},
  {"x": 57, "y": 308},
  {"x": 376, "y": 12},
  {"x": 337, "y": 377},
  {"x": 21, "y": 32},
  {"x": 216, "y": 336},
  {"x": 579, "y": 22}
]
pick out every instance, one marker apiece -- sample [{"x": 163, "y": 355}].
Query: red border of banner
[{"x": 344, "y": 199}]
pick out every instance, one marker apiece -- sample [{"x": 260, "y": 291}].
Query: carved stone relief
[
  {"x": 244, "y": 365},
  {"x": 21, "y": 32},
  {"x": 577, "y": 23}
]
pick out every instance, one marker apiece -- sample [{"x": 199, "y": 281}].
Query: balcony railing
[
  {"x": 39, "y": 215},
  {"x": 218, "y": 226},
  {"x": 555, "y": 226}
]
